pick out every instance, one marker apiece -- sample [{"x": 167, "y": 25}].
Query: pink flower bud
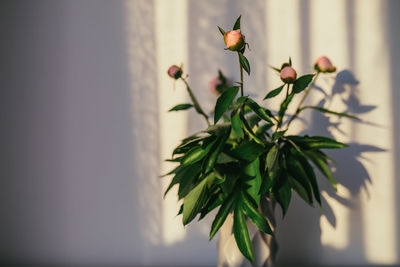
[
  {"x": 288, "y": 74},
  {"x": 234, "y": 40},
  {"x": 213, "y": 85},
  {"x": 323, "y": 64},
  {"x": 175, "y": 72}
]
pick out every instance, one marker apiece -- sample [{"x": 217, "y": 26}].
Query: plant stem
[
  {"x": 298, "y": 109},
  {"x": 241, "y": 77},
  {"x": 280, "y": 117},
  {"x": 195, "y": 102}
]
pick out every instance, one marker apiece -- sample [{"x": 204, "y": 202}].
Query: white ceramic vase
[{"x": 264, "y": 245}]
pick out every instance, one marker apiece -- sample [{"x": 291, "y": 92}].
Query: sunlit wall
[{"x": 85, "y": 128}]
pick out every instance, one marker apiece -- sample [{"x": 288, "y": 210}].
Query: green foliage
[
  {"x": 232, "y": 164},
  {"x": 181, "y": 107},
  {"x": 224, "y": 101},
  {"x": 301, "y": 83},
  {"x": 274, "y": 92},
  {"x": 244, "y": 63},
  {"x": 221, "y": 30},
  {"x": 237, "y": 23}
]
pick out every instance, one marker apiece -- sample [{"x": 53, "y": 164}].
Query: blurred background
[{"x": 84, "y": 127}]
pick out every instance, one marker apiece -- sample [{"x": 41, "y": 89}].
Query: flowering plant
[{"x": 234, "y": 164}]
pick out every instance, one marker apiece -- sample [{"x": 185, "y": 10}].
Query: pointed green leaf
[
  {"x": 311, "y": 177},
  {"x": 253, "y": 179},
  {"x": 224, "y": 101},
  {"x": 221, "y": 30},
  {"x": 249, "y": 131},
  {"x": 183, "y": 174},
  {"x": 181, "y": 107},
  {"x": 244, "y": 63},
  {"x": 271, "y": 157},
  {"x": 188, "y": 176},
  {"x": 212, "y": 158},
  {"x": 298, "y": 173},
  {"x": 241, "y": 234},
  {"x": 301, "y": 83},
  {"x": 237, "y": 23},
  {"x": 322, "y": 166},
  {"x": 277, "y": 135},
  {"x": 283, "y": 193},
  {"x": 236, "y": 124},
  {"x": 300, "y": 190},
  {"x": 194, "y": 201},
  {"x": 196, "y": 154},
  {"x": 274, "y": 92},
  {"x": 251, "y": 211},
  {"x": 223, "y": 212},
  {"x": 258, "y": 110},
  {"x": 247, "y": 151}
]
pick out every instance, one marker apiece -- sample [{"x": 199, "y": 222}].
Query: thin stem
[
  {"x": 195, "y": 102},
  {"x": 280, "y": 116},
  {"x": 298, "y": 109},
  {"x": 241, "y": 77}
]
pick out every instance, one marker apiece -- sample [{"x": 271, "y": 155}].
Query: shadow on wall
[
  {"x": 393, "y": 39},
  {"x": 350, "y": 173}
]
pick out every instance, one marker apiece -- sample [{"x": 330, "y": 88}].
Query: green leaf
[
  {"x": 244, "y": 63},
  {"x": 299, "y": 174},
  {"x": 300, "y": 190},
  {"x": 283, "y": 192},
  {"x": 311, "y": 177},
  {"x": 269, "y": 178},
  {"x": 237, "y": 23},
  {"x": 219, "y": 129},
  {"x": 323, "y": 110},
  {"x": 184, "y": 173},
  {"x": 236, "y": 123},
  {"x": 271, "y": 157},
  {"x": 258, "y": 110},
  {"x": 247, "y": 151},
  {"x": 277, "y": 135},
  {"x": 213, "y": 202},
  {"x": 241, "y": 234},
  {"x": 301, "y": 83},
  {"x": 249, "y": 131},
  {"x": 224, "y": 101},
  {"x": 275, "y": 68},
  {"x": 225, "y": 158},
  {"x": 274, "y": 92},
  {"x": 290, "y": 61},
  {"x": 181, "y": 107},
  {"x": 264, "y": 128},
  {"x": 322, "y": 166},
  {"x": 196, "y": 154},
  {"x": 251, "y": 211},
  {"x": 212, "y": 158},
  {"x": 188, "y": 176},
  {"x": 221, "y": 30},
  {"x": 223, "y": 212},
  {"x": 253, "y": 179},
  {"x": 194, "y": 201},
  {"x": 187, "y": 144}
]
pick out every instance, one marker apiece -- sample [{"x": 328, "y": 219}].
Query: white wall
[{"x": 84, "y": 129}]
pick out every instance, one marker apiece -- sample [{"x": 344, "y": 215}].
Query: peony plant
[{"x": 245, "y": 154}]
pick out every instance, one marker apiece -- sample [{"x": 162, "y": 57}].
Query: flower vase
[{"x": 264, "y": 245}]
